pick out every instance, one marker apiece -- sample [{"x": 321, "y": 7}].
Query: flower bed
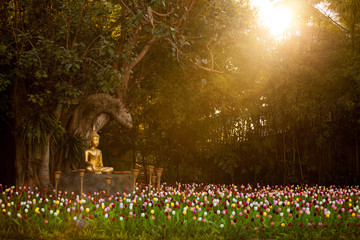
[{"x": 183, "y": 211}]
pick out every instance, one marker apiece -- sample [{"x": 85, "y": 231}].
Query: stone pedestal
[{"x": 96, "y": 183}]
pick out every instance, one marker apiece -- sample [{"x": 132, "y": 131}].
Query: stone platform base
[{"x": 96, "y": 183}]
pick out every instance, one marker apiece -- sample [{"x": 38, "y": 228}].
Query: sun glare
[{"x": 275, "y": 17}]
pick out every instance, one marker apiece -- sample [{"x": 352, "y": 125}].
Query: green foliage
[
  {"x": 270, "y": 116},
  {"x": 72, "y": 149},
  {"x": 4, "y": 82},
  {"x": 41, "y": 126}
]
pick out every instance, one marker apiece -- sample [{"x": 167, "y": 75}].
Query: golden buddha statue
[{"x": 93, "y": 156}]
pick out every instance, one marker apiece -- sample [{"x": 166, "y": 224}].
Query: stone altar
[{"x": 95, "y": 183}]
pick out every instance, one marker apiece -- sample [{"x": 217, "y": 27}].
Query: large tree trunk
[
  {"x": 20, "y": 161},
  {"x": 32, "y": 163},
  {"x": 43, "y": 155},
  {"x": 18, "y": 96}
]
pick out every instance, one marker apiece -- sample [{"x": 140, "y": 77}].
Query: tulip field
[{"x": 183, "y": 211}]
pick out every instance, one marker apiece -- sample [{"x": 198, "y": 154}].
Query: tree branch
[
  {"x": 151, "y": 17},
  {"x": 93, "y": 41},
  {"x": 28, "y": 41},
  {"x": 186, "y": 14},
  {"x": 163, "y": 14},
  {"x": 198, "y": 65},
  {"x": 144, "y": 51},
  {"x": 205, "y": 68},
  {"x": 92, "y": 60},
  {"x": 211, "y": 54},
  {"x": 134, "y": 40},
  {"x": 332, "y": 20},
  {"x": 126, "y": 6}
]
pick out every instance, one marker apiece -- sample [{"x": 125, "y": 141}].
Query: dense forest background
[{"x": 213, "y": 96}]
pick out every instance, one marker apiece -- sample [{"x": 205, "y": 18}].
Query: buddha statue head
[{"x": 94, "y": 138}]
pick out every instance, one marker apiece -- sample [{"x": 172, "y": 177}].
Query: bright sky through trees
[{"x": 274, "y": 16}]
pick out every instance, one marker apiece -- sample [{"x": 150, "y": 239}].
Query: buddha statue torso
[{"x": 93, "y": 156}]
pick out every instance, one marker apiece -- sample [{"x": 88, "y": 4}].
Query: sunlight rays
[{"x": 275, "y": 17}]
